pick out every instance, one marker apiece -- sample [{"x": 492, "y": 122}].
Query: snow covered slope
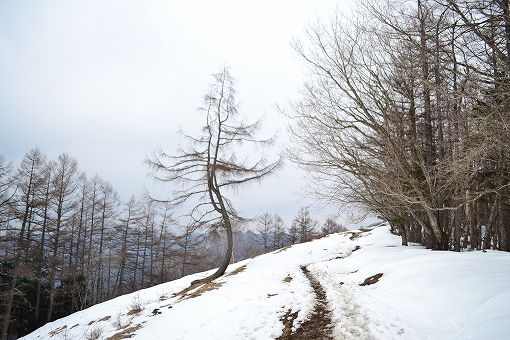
[{"x": 422, "y": 294}]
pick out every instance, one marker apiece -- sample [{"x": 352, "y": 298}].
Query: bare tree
[
  {"x": 65, "y": 182},
  {"x": 264, "y": 228},
  {"x": 124, "y": 230},
  {"x": 210, "y": 164},
  {"x": 6, "y": 193},
  {"x": 30, "y": 175},
  {"x": 164, "y": 252},
  {"x": 486, "y": 25},
  {"x": 189, "y": 240},
  {"x": 331, "y": 226},
  {"x": 367, "y": 128},
  {"x": 406, "y": 114},
  {"x": 279, "y": 238},
  {"x": 6, "y": 186},
  {"x": 305, "y": 225},
  {"x": 294, "y": 233},
  {"x": 108, "y": 211}
]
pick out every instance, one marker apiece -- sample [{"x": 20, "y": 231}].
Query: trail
[
  {"x": 319, "y": 326},
  {"x": 336, "y": 315},
  {"x": 348, "y": 317}
]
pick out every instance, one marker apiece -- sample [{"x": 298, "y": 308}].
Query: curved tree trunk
[
  {"x": 226, "y": 258},
  {"x": 219, "y": 205}
]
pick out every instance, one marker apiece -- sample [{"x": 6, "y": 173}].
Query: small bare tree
[
  {"x": 331, "y": 226},
  {"x": 210, "y": 163},
  {"x": 305, "y": 224},
  {"x": 264, "y": 228}
]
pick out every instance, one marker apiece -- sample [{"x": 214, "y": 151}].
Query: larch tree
[
  {"x": 189, "y": 240},
  {"x": 279, "y": 239},
  {"x": 210, "y": 165},
  {"x": 30, "y": 173},
  {"x": 65, "y": 183},
  {"x": 306, "y": 226},
  {"x": 331, "y": 226},
  {"x": 6, "y": 184},
  {"x": 124, "y": 229},
  {"x": 264, "y": 228},
  {"x": 486, "y": 25}
]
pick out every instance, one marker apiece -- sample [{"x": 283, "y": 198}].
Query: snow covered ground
[{"x": 422, "y": 294}]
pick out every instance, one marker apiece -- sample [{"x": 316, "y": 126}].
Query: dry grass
[
  {"x": 75, "y": 326},
  {"x": 126, "y": 333},
  {"x": 134, "y": 311},
  {"x": 288, "y": 321},
  {"x": 106, "y": 318},
  {"x": 197, "y": 289},
  {"x": 354, "y": 235},
  {"x": 283, "y": 249},
  {"x": 201, "y": 290},
  {"x": 313, "y": 237},
  {"x": 136, "y": 306},
  {"x": 118, "y": 322},
  {"x": 57, "y": 331},
  {"x": 94, "y": 333},
  {"x": 237, "y": 271}
]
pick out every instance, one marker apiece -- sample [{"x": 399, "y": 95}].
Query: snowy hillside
[{"x": 422, "y": 294}]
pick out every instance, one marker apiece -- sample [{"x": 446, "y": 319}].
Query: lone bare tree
[{"x": 211, "y": 164}]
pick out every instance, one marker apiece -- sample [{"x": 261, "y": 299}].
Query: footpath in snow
[{"x": 421, "y": 294}]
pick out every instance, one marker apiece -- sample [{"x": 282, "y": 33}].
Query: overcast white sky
[{"x": 109, "y": 81}]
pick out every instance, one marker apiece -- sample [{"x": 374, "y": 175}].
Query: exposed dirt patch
[
  {"x": 126, "y": 333},
  {"x": 287, "y": 279},
  {"x": 371, "y": 280},
  {"x": 319, "y": 326},
  {"x": 237, "y": 271},
  {"x": 106, "y": 318},
  {"x": 75, "y": 326}
]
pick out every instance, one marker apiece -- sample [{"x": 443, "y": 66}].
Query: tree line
[
  {"x": 68, "y": 242},
  {"x": 406, "y": 113}
]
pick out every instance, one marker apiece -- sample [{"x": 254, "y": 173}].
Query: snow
[{"x": 422, "y": 294}]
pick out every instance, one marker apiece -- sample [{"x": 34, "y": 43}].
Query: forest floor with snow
[{"x": 354, "y": 285}]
